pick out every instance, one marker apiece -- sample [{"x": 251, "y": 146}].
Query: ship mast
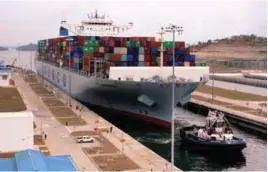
[{"x": 161, "y": 33}]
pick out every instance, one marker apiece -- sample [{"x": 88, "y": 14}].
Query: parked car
[{"x": 84, "y": 139}]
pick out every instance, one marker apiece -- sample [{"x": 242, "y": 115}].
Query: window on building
[{"x": 4, "y": 77}]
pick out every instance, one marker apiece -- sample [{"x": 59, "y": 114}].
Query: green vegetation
[
  {"x": 231, "y": 94},
  {"x": 252, "y": 39},
  {"x": 3, "y": 49}
]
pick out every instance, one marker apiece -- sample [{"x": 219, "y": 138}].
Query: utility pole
[
  {"x": 69, "y": 39},
  {"x": 212, "y": 94},
  {"x": 19, "y": 55},
  {"x": 173, "y": 29}
]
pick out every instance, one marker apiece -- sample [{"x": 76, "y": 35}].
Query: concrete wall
[
  {"x": 16, "y": 131},
  {"x": 137, "y": 73},
  {"x": 4, "y": 82}
]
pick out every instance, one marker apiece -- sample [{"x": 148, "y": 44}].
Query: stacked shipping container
[{"x": 84, "y": 51}]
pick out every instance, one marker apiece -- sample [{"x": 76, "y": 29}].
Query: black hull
[{"x": 225, "y": 146}]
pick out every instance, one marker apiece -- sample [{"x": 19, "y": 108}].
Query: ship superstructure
[{"x": 127, "y": 74}]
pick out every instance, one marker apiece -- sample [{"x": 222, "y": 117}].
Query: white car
[{"x": 84, "y": 139}]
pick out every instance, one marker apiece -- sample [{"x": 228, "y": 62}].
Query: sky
[{"x": 29, "y": 21}]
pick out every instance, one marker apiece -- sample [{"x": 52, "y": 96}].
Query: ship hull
[{"x": 148, "y": 101}]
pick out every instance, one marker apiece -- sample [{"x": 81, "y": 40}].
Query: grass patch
[
  {"x": 7, "y": 155},
  {"x": 38, "y": 140},
  {"x": 44, "y": 150},
  {"x": 83, "y": 133},
  {"x": 231, "y": 94},
  {"x": 230, "y": 106},
  {"x": 106, "y": 148},
  {"x": 115, "y": 163}
]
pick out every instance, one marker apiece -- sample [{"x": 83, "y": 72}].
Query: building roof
[
  {"x": 32, "y": 160},
  {"x": 23, "y": 114}
]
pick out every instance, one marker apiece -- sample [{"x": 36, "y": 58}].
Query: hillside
[
  {"x": 247, "y": 47},
  {"x": 3, "y": 49},
  {"x": 30, "y": 47}
]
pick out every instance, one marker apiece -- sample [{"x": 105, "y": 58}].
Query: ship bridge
[{"x": 95, "y": 25}]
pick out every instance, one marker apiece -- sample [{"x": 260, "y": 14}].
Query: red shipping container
[
  {"x": 106, "y": 49},
  {"x": 146, "y": 58},
  {"x": 101, "y": 43},
  {"x": 111, "y": 43},
  {"x": 146, "y": 63},
  {"x": 188, "y": 51},
  {"x": 154, "y": 44},
  {"x": 85, "y": 61},
  {"x": 170, "y": 50},
  {"x": 96, "y": 49},
  {"x": 181, "y": 63},
  {"x": 115, "y": 57},
  {"x": 146, "y": 51},
  {"x": 192, "y": 63},
  {"x": 106, "y": 38},
  {"x": 180, "y": 44},
  {"x": 86, "y": 67},
  {"x": 153, "y": 64}
]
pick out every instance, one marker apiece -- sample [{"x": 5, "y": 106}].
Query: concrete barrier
[{"x": 246, "y": 81}]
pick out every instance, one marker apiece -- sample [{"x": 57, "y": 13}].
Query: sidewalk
[{"x": 60, "y": 142}]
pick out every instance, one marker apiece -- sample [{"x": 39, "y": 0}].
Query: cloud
[{"x": 29, "y": 21}]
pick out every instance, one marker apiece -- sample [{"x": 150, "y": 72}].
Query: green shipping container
[
  {"x": 158, "y": 60},
  {"x": 168, "y": 44},
  {"x": 138, "y": 44},
  {"x": 106, "y": 56},
  {"x": 88, "y": 49},
  {"x": 141, "y": 50},
  {"x": 123, "y": 57},
  {"x": 96, "y": 43},
  {"x": 127, "y": 44}
]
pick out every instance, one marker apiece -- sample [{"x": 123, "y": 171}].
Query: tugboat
[{"x": 215, "y": 136}]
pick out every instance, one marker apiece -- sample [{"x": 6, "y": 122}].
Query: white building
[
  {"x": 5, "y": 76},
  {"x": 16, "y": 131}
]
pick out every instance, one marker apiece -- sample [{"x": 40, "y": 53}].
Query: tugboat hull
[{"x": 193, "y": 142}]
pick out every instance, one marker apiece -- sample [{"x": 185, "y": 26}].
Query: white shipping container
[
  {"x": 193, "y": 73},
  {"x": 186, "y": 63},
  {"x": 101, "y": 49},
  {"x": 141, "y": 58},
  {"x": 120, "y": 50},
  {"x": 16, "y": 131}
]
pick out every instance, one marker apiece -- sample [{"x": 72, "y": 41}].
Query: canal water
[{"x": 253, "y": 157}]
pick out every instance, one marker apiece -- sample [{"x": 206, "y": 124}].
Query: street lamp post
[
  {"x": 19, "y": 54},
  {"x": 69, "y": 39},
  {"x": 173, "y": 29}
]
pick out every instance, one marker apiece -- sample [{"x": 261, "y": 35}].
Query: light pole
[
  {"x": 19, "y": 54},
  {"x": 173, "y": 28},
  {"x": 212, "y": 95},
  {"x": 69, "y": 39}
]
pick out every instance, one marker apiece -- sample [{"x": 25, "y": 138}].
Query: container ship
[{"x": 133, "y": 75}]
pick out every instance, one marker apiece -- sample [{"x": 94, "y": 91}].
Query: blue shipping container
[
  {"x": 129, "y": 57},
  {"x": 111, "y": 49},
  {"x": 153, "y": 51},
  {"x": 106, "y": 43},
  {"x": 117, "y": 43},
  {"x": 78, "y": 49}
]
